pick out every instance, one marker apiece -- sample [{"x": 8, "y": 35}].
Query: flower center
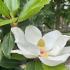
[{"x": 41, "y": 45}]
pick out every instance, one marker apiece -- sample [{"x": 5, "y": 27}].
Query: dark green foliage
[{"x": 7, "y": 44}]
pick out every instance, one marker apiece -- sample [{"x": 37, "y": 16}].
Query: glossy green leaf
[
  {"x": 3, "y": 9},
  {"x": 7, "y": 44},
  {"x": 12, "y": 5},
  {"x": 31, "y": 8},
  {"x": 36, "y": 65},
  {"x": 7, "y": 21}
]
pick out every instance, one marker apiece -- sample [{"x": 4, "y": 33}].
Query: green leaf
[
  {"x": 7, "y": 44},
  {"x": 36, "y": 65},
  {"x": 3, "y": 9},
  {"x": 1, "y": 54},
  {"x": 31, "y": 8},
  {"x": 58, "y": 67},
  {"x": 9, "y": 63},
  {"x": 17, "y": 56},
  {"x": 7, "y": 21},
  {"x": 12, "y": 5}
]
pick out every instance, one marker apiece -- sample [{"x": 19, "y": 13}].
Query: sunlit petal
[
  {"x": 29, "y": 50},
  {"x": 33, "y": 34},
  {"x": 59, "y": 45},
  {"x": 18, "y": 34},
  {"x": 50, "y": 38}
]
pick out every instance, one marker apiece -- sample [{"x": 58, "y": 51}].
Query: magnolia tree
[{"x": 29, "y": 49}]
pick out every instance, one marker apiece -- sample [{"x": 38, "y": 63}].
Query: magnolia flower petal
[
  {"x": 18, "y": 34},
  {"x": 32, "y": 34},
  {"x": 59, "y": 45},
  {"x": 53, "y": 61},
  {"x": 50, "y": 38},
  {"x": 28, "y": 50},
  {"x": 66, "y": 50}
]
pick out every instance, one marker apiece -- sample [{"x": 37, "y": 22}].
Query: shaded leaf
[
  {"x": 1, "y": 54},
  {"x": 7, "y": 44},
  {"x": 9, "y": 63},
  {"x": 31, "y": 8}
]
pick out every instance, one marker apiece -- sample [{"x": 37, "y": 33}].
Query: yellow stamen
[{"x": 41, "y": 45}]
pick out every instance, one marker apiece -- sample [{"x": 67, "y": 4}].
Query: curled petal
[
  {"x": 59, "y": 45},
  {"x": 53, "y": 61}
]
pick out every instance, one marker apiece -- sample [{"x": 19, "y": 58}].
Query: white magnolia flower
[{"x": 50, "y": 48}]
